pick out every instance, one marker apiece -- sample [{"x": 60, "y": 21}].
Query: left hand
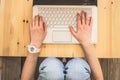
[
  {"x": 38, "y": 31},
  {"x": 84, "y": 28}
]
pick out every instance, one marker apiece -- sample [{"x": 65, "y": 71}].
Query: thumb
[{"x": 72, "y": 31}]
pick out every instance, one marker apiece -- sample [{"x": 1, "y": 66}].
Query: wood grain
[
  {"x": 115, "y": 8},
  {"x": 16, "y": 15},
  {"x": 10, "y": 68},
  {"x": 110, "y": 68},
  {"x": 103, "y": 47},
  {"x": 1, "y": 24}
]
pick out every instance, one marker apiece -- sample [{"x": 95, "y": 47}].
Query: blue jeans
[{"x": 53, "y": 69}]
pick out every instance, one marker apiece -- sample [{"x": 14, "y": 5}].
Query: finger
[
  {"x": 41, "y": 22},
  {"x": 83, "y": 18},
  {"x": 34, "y": 21},
  {"x": 37, "y": 20},
  {"x": 91, "y": 23},
  {"x": 72, "y": 31},
  {"x": 78, "y": 20},
  {"x": 44, "y": 27},
  {"x": 86, "y": 18}
]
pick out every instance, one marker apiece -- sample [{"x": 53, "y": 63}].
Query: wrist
[
  {"x": 86, "y": 44},
  {"x": 36, "y": 45},
  {"x": 33, "y": 49},
  {"x": 36, "y": 55}
]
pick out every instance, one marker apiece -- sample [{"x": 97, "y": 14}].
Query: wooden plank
[
  {"x": 110, "y": 67},
  {"x": 7, "y": 31},
  {"x": 11, "y": 68},
  {"x": 104, "y": 66},
  {"x": 3, "y": 31},
  {"x": 0, "y": 68},
  {"x": 17, "y": 17},
  {"x": 1, "y": 24},
  {"x": 103, "y": 47},
  {"x": 12, "y": 28},
  {"x": 115, "y": 4}
]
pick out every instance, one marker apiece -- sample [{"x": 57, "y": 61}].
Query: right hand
[
  {"x": 38, "y": 31},
  {"x": 84, "y": 28}
]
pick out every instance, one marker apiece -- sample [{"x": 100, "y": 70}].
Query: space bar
[{"x": 59, "y": 26}]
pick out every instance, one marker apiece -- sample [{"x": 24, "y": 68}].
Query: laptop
[{"x": 60, "y": 14}]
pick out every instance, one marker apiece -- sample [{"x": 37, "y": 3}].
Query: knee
[
  {"x": 52, "y": 68},
  {"x": 51, "y": 63},
  {"x": 77, "y": 68},
  {"x": 78, "y": 63}
]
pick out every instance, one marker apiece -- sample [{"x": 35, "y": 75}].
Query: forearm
[
  {"x": 38, "y": 31},
  {"x": 92, "y": 59},
  {"x": 29, "y": 67}
]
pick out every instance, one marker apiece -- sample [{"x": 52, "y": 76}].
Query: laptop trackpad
[{"x": 61, "y": 36}]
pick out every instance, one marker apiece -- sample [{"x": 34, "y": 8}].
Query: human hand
[
  {"x": 38, "y": 31},
  {"x": 84, "y": 28}
]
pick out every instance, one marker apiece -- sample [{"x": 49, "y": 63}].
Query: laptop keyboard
[{"x": 57, "y": 17}]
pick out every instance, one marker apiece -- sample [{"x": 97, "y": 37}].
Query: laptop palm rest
[{"x": 61, "y": 36}]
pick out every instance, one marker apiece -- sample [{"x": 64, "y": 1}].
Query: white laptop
[{"x": 59, "y": 17}]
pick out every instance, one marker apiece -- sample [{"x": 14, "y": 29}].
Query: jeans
[{"x": 53, "y": 69}]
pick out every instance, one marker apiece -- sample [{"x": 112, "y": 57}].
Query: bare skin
[
  {"x": 83, "y": 35},
  {"x": 38, "y": 33}
]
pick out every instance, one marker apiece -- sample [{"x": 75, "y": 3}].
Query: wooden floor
[{"x": 10, "y": 68}]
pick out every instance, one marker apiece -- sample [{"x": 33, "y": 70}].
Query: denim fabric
[
  {"x": 53, "y": 69},
  {"x": 77, "y": 69}
]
